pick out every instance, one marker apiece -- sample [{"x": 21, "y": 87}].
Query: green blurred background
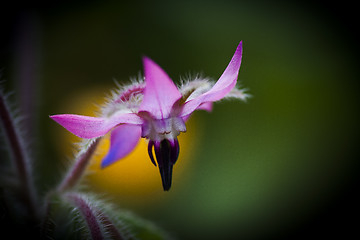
[{"x": 282, "y": 165}]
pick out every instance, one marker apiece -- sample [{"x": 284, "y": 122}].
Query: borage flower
[{"x": 154, "y": 109}]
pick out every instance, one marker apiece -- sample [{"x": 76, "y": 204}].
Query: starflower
[{"x": 155, "y": 109}]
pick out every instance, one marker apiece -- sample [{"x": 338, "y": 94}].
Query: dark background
[{"x": 283, "y": 165}]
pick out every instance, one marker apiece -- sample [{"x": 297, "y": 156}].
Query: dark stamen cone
[
  {"x": 166, "y": 153},
  {"x": 150, "y": 147},
  {"x": 166, "y": 175}
]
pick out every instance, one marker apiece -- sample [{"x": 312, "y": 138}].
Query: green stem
[
  {"x": 88, "y": 214},
  {"x": 78, "y": 169},
  {"x": 109, "y": 225},
  {"x": 19, "y": 157},
  {"x": 47, "y": 226}
]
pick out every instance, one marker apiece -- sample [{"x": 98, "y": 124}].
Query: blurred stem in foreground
[
  {"x": 26, "y": 69},
  {"x": 78, "y": 169},
  {"x": 19, "y": 156}
]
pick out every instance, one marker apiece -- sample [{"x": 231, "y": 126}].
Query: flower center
[{"x": 160, "y": 129}]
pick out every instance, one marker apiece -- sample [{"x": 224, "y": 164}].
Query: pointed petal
[
  {"x": 207, "y": 106},
  {"x": 160, "y": 92},
  {"x": 124, "y": 139},
  {"x": 91, "y": 127},
  {"x": 226, "y": 82}
]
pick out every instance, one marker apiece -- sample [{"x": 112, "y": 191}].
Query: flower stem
[
  {"x": 46, "y": 225},
  {"x": 19, "y": 156},
  {"x": 77, "y": 170},
  {"x": 109, "y": 226},
  {"x": 87, "y": 212}
]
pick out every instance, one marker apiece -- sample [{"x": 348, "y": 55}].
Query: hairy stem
[
  {"x": 47, "y": 226},
  {"x": 77, "y": 170},
  {"x": 19, "y": 156},
  {"x": 27, "y": 54},
  {"x": 110, "y": 227},
  {"x": 88, "y": 214}
]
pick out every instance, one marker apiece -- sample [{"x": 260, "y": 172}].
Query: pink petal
[
  {"x": 91, "y": 127},
  {"x": 160, "y": 92},
  {"x": 226, "y": 82},
  {"x": 207, "y": 106},
  {"x": 124, "y": 139}
]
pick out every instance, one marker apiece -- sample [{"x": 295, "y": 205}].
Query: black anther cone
[{"x": 166, "y": 155}]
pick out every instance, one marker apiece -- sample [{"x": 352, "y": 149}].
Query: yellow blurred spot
[{"x": 134, "y": 176}]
